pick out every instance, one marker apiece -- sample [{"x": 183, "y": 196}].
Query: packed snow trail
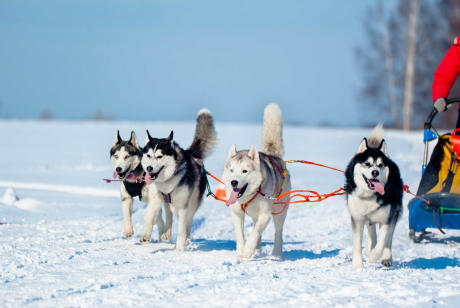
[{"x": 61, "y": 240}]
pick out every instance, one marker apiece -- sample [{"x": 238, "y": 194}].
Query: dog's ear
[
  {"x": 171, "y": 136},
  {"x": 362, "y": 146},
  {"x": 231, "y": 152},
  {"x": 133, "y": 140},
  {"x": 118, "y": 139},
  {"x": 148, "y": 138},
  {"x": 254, "y": 155},
  {"x": 383, "y": 147}
]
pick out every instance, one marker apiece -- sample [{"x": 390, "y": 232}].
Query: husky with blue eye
[
  {"x": 178, "y": 174},
  {"x": 125, "y": 157},
  {"x": 374, "y": 191}
]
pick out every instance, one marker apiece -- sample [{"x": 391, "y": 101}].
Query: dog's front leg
[
  {"x": 256, "y": 233},
  {"x": 371, "y": 238},
  {"x": 357, "y": 227},
  {"x": 166, "y": 236},
  {"x": 238, "y": 224},
  {"x": 152, "y": 216},
  {"x": 127, "y": 206},
  {"x": 375, "y": 253},
  {"x": 181, "y": 229},
  {"x": 386, "y": 256}
]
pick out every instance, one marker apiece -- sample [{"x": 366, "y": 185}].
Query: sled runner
[{"x": 439, "y": 188}]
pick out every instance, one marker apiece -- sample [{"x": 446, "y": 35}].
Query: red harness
[{"x": 259, "y": 190}]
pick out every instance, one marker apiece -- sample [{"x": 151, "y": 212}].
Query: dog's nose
[
  {"x": 375, "y": 173},
  {"x": 234, "y": 183},
  {"x": 118, "y": 169},
  {"x": 149, "y": 169}
]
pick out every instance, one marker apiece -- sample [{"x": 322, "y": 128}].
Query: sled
[{"x": 438, "y": 204}]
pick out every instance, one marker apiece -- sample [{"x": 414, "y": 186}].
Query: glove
[{"x": 440, "y": 104}]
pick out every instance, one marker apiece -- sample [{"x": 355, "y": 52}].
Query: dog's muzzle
[{"x": 154, "y": 175}]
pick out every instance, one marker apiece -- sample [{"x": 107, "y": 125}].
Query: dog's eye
[
  {"x": 116, "y": 156},
  {"x": 231, "y": 170},
  {"x": 245, "y": 171},
  {"x": 160, "y": 157},
  {"x": 149, "y": 156},
  {"x": 368, "y": 165},
  {"x": 380, "y": 165},
  {"x": 127, "y": 156}
]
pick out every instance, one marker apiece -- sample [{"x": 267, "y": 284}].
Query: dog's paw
[
  {"x": 128, "y": 233},
  {"x": 145, "y": 238},
  {"x": 247, "y": 253},
  {"x": 357, "y": 265},
  {"x": 387, "y": 262},
  {"x": 166, "y": 237}
]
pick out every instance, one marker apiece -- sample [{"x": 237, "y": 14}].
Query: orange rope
[
  {"x": 312, "y": 163},
  {"x": 406, "y": 189}
]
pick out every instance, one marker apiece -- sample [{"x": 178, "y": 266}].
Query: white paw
[
  {"x": 357, "y": 265},
  {"x": 387, "y": 262},
  {"x": 373, "y": 257},
  {"x": 247, "y": 253},
  {"x": 166, "y": 237},
  {"x": 128, "y": 232},
  {"x": 180, "y": 248},
  {"x": 145, "y": 238}
]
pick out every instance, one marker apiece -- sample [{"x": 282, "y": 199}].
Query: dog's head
[
  {"x": 159, "y": 157},
  {"x": 242, "y": 175},
  {"x": 125, "y": 156},
  {"x": 370, "y": 167}
]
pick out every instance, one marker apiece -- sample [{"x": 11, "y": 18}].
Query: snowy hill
[{"x": 61, "y": 240}]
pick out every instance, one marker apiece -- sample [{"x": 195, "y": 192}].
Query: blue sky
[{"x": 165, "y": 60}]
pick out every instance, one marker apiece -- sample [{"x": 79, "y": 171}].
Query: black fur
[
  {"x": 132, "y": 150},
  {"x": 184, "y": 160},
  {"x": 393, "y": 188}
]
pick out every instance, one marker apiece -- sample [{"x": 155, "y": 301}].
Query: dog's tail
[
  {"x": 272, "y": 131},
  {"x": 205, "y": 135},
  {"x": 376, "y": 137}
]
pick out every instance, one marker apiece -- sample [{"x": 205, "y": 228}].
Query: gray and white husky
[
  {"x": 125, "y": 157},
  {"x": 178, "y": 174},
  {"x": 374, "y": 194},
  {"x": 251, "y": 176}
]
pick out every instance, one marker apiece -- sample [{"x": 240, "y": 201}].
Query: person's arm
[{"x": 447, "y": 72}]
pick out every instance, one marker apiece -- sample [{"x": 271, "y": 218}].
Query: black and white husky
[
  {"x": 374, "y": 193},
  {"x": 178, "y": 174},
  {"x": 125, "y": 157},
  {"x": 251, "y": 176}
]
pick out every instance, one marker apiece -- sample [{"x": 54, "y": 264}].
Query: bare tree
[
  {"x": 395, "y": 74},
  {"x": 410, "y": 65}
]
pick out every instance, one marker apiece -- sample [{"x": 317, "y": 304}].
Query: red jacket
[{"x": 447, "y": 71}]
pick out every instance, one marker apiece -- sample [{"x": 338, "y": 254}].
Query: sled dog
[
  {"x": 178, "y": 174},
  {"x": 374, "y": 192},
  {"x": 250, "y": 177},
  {"x": 125, "y": 157}
]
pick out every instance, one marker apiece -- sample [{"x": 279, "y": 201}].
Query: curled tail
[
  {"x": 376, "y": 137},
  {"x": 205, "y": 135},
  {"x": 272, "y": 131}
]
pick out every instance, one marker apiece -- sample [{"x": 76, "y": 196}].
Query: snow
[{"x": 61, "y": 240}]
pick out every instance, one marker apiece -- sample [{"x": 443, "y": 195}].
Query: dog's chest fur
[{"x": 367, "y": 208}]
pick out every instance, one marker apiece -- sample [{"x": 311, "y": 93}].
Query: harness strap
[
  {"x": 258, "y": 192},
  {"x": 166, "y": 198}
]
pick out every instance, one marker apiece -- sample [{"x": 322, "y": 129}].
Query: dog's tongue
[
  {"x": 148, "y": 179},
  {"x": 378, "y": 187},
  {"x": 115, "y": 175},
  {"x": 232, "y": 198}
]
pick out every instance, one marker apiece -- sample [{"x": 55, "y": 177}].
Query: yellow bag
[{"x": 443, "y": 171}]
